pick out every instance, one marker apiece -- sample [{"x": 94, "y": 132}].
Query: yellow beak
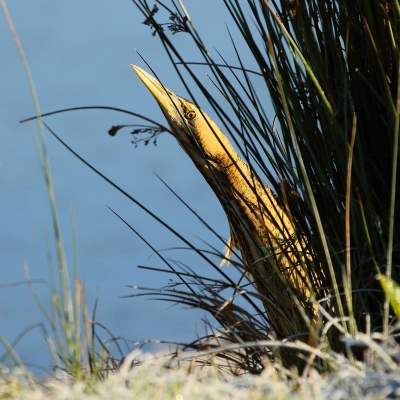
[{"x": 160, "y": 92}]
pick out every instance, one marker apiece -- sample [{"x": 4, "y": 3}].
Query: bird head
[{"x": 194, "y": 130}]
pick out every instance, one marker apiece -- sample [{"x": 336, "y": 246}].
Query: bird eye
[{"x": 191, "y": 114}]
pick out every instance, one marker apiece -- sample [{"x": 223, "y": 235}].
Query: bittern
[{"x": 272, "y": 251}]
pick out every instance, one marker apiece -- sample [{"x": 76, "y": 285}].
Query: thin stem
[{"x": 388, "y": 272}]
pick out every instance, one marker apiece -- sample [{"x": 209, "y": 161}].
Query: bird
[{"x": 274, "y": 254}]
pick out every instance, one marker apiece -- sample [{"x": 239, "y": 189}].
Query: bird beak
[{"x": 160, "y": 92}]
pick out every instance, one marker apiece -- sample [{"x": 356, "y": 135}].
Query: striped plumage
[{"x": 261, "y": 229}]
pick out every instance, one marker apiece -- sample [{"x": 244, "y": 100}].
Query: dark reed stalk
[{"x": 330, "y": 151}]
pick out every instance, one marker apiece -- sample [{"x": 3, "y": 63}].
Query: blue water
[{"x": 79, "y": 54}]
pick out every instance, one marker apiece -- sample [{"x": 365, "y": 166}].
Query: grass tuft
[{"x": 330, "y": 153}]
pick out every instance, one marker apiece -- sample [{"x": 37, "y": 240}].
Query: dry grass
[{"x": 154, "y": 381}]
